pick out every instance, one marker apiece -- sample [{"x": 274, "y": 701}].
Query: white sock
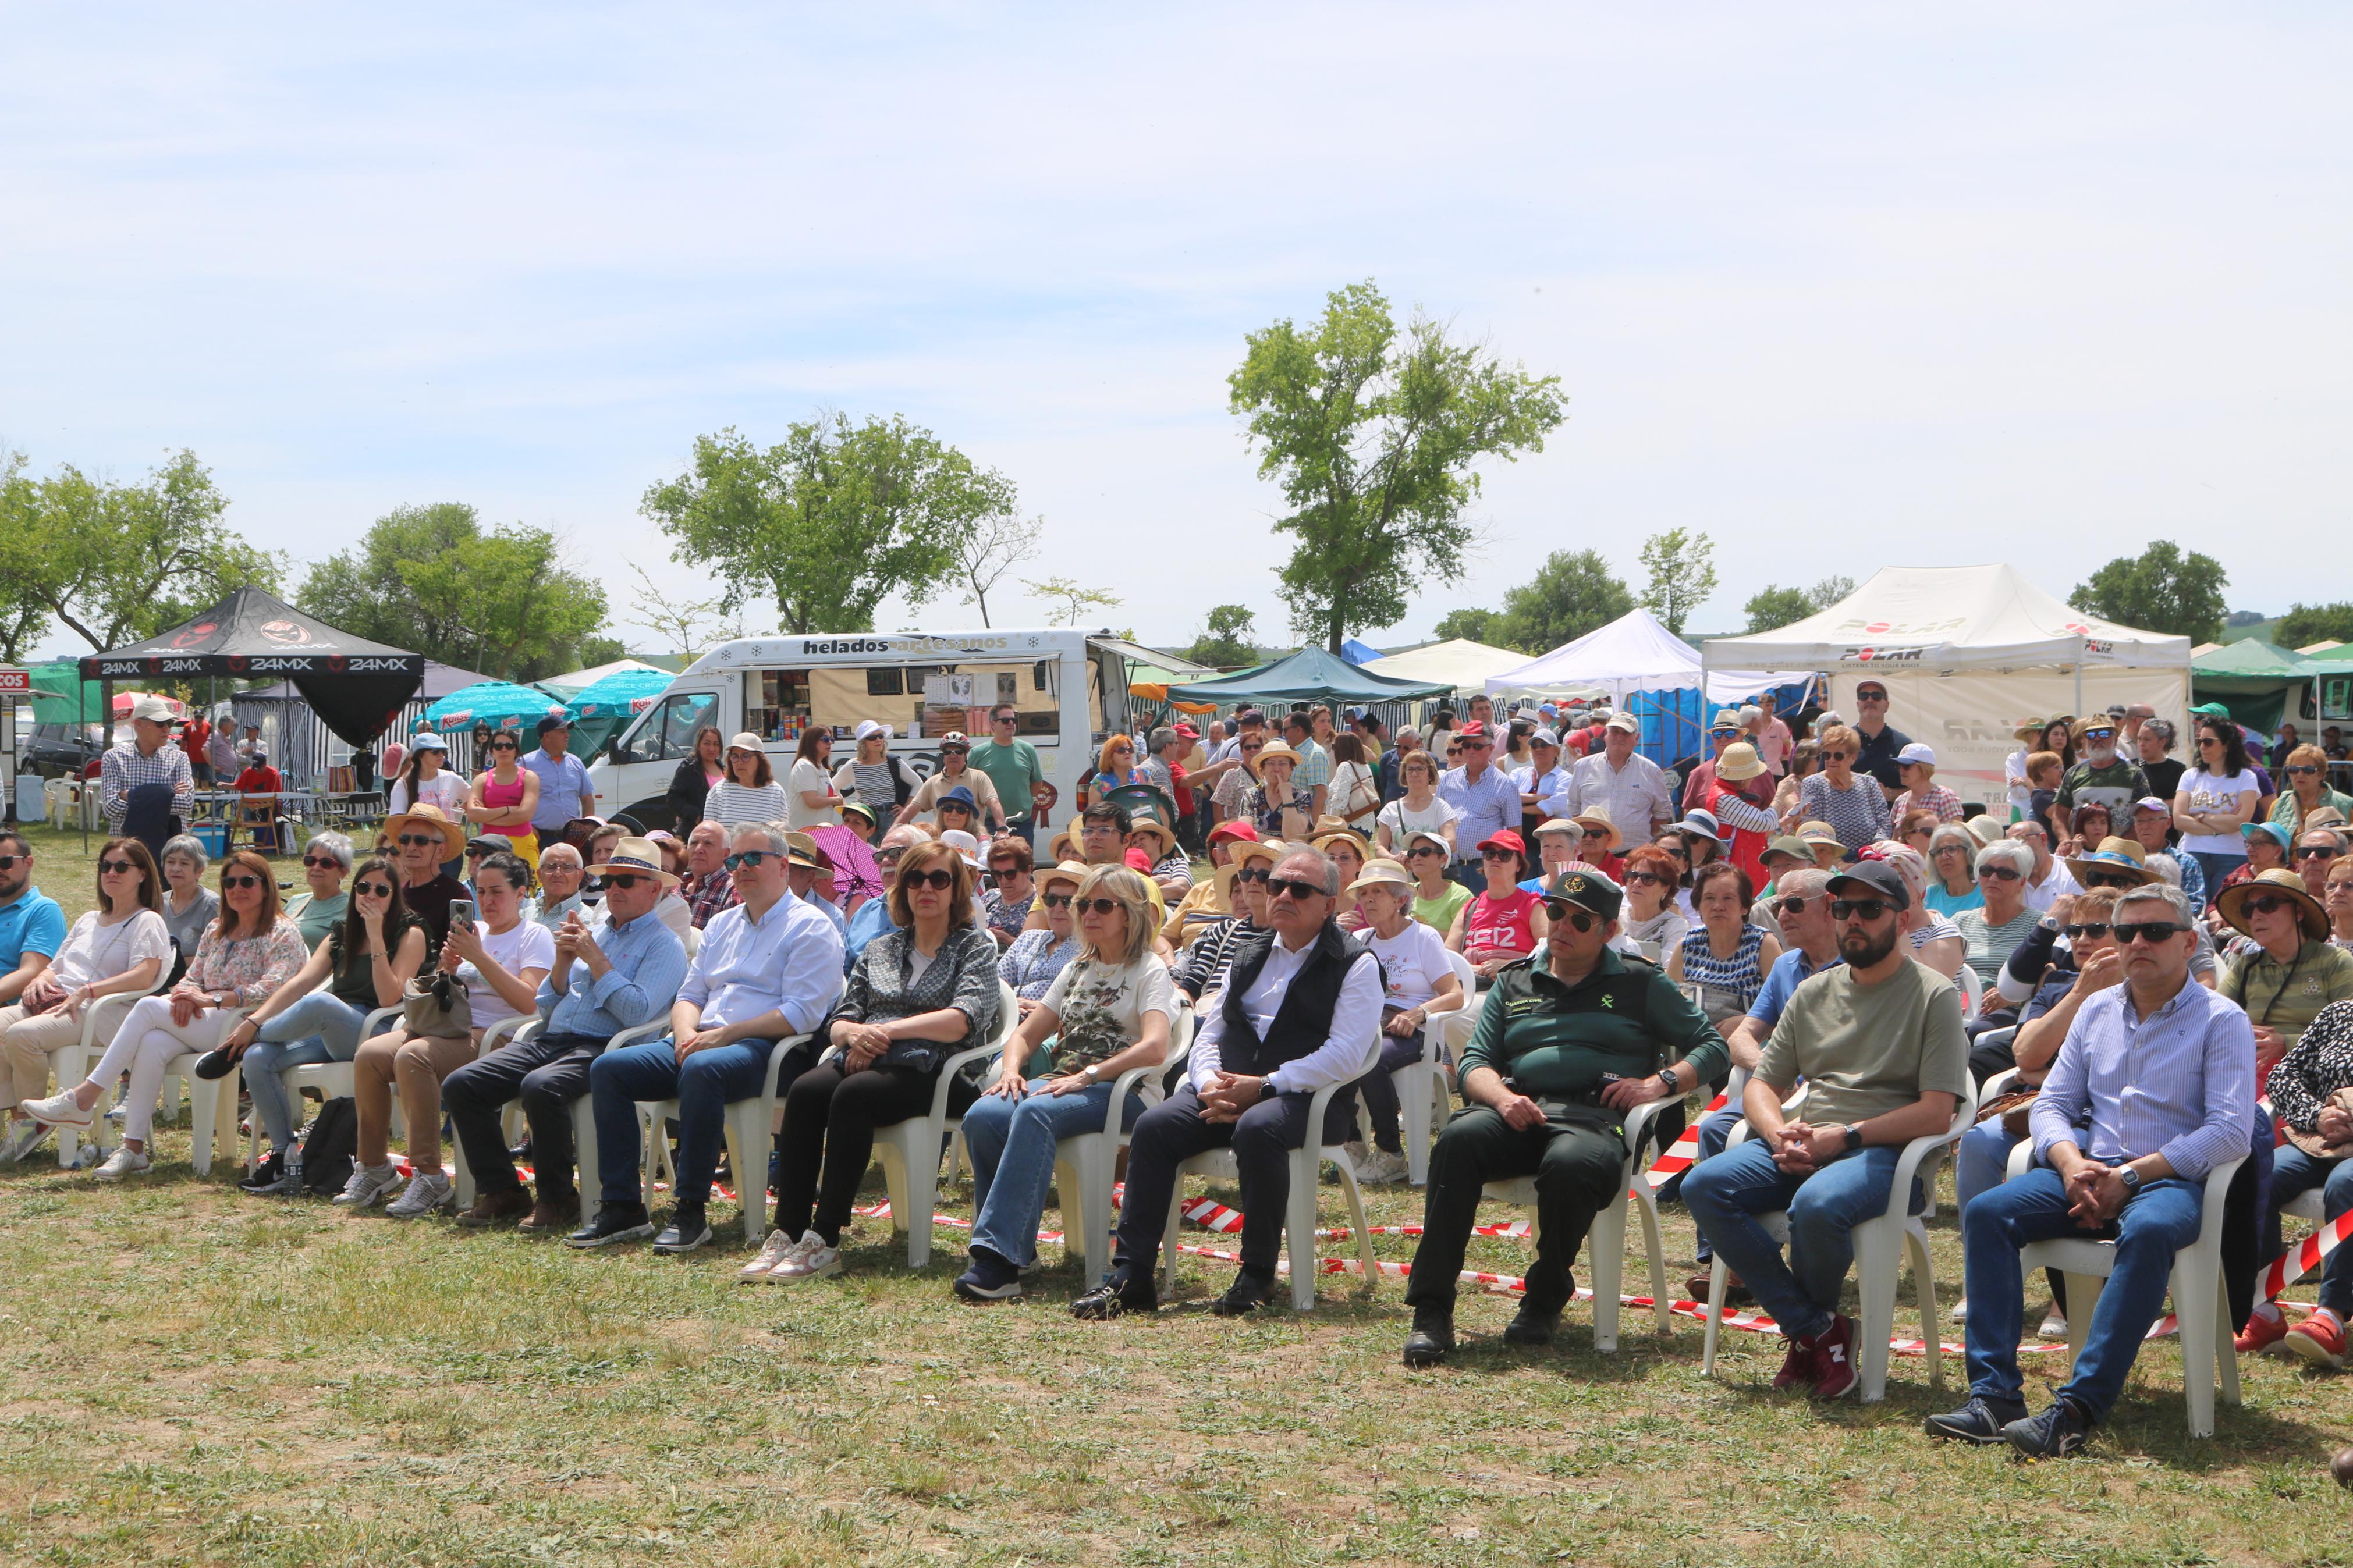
[
  {"x": 2267, "y": 1310},
  {"x": 2333, "y": 1321}
]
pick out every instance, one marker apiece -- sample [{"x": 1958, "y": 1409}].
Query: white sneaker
[
  {"x": 57, "y": 1111},
  {"x": 1960, "y": 1312},
  {"x": 811, "y": 1259},
  {"x": 26, "y": 1138},
  {"x": 777, "y": 1247},
  {"x": 1381, "y": 1168},
  {"x": 125, "y": 1161},
  {"x": 368, "y": 1185},
  {"x": 427, "y": 1191},
  {"x": 2055, "y": 1325}
]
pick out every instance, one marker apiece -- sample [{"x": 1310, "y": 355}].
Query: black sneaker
[
  {"x": 2058, "y": 1431},
  {"x": 614, "y": 1222},
  {"x": 1113, "y": 1299},
  {"x": 1431, "y": 1340},
  {"x": 266, "y": 1176},
  {"x": 217, "y": 1064},
  {"x": 686, "y": 1231},
  {"x": 1531, "y": 1326},
  {"x": 1981, "y": 1420},
  {"x": 988, "y": 1278},
  {"x": 1246, "y": 1294}
]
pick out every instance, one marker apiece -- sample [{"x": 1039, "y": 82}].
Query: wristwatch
[
  {"x": 1092, "y": 1077},
  {"x": 1854, "y": 1136},
  {"x": 2130, "y": 1178},
  {"x": 1266, "y": 1089},
  {"x": 1667, "y": 1081}
]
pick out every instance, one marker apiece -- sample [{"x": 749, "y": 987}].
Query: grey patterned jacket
[{"x": 963, "y": 977}]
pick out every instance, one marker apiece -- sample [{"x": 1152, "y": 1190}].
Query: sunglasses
[
  {"x": 1497, "y": 855},
  {"x": 1999, "y": 873},
  {"x": 2304, "y": 770},
  {"x": 373, "y": 890},
  {"x": 245, "y": 881},
  {"x": 953, "y": 751},
  {"x": 1791, "y": 906},
  {"x": 2127, "y": 932},
  {"x": 1095, "y": 906},
  {"x": 1419, "y": 852},
  {"x": 1276, "y": 887},
  {"x": 2315, "y": 852},
  {"x": 755, "y": 858},
  {"x": 1260, "y": 873},
  {"x": 409, "y": 840},
  {"x": 2091, "y": 735},
  {"x": 1056, "y": 900},
  {"x": 109, "y": 868},
  {"x": 315, "y": 862},
  {"x": 1250, "y": 746},
  {"x": 1870, "y": 697},
  {"x": 940, "y": 880},
  {"x": 1858, "y": 909},
  {"x": 7, "y": 861},
  {"x": 504, "y": 746},
  {"x": 1680, "y": 851},
  {"x": 2267, "y": 906},
  {"x": 473, "y": 852},
  {"x": 2209, "y": 741},
  {"x": 1838, "y": 757},
  {"x": 1002, "y": 720},
  {"x": 1580, "y": 921},
  {"x": 1647, "y": 877},
  {"x": 2093, "y": 929},
  {"x": 2109, "y": 880},
  {"x": 624, "y": 880},
  {"x": 1003, "y": 869},
  {"x": 886, "y": 859}
]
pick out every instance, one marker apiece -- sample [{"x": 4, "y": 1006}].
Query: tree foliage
[
  {"x": 1374, "y": 439},
  {"x": 2305, "y": 625},
  {"x": 1773, "y": 606},
  {"x": 1225, "y": 639},
  {"x": 1068, "y": 602},
  {"x": 829, "y": 521},
  {"x": 2160, "y": 590},
  {"x": 432, "y": 579},
  {"x": 987, "y": 549},
  {"x": 115, "y": 563},
  {"x": 1474, "y": 624},
  {"x": 1681, "y": 565},
  {"x": 1573, "y": 592}
]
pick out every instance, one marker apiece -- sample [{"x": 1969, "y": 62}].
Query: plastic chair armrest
[
  {"x": 2217, "y": 1191},
  {"x": 776, "y": 1054},
  {"x": 658, "y": 1028},
  {"x": 953, "y": 1064}
]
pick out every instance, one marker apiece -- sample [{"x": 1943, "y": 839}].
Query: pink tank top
[
  {"x": 1500, "y": 924},
  {"x": 497, "y": 794}
]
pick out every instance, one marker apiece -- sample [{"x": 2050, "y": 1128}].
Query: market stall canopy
[
  {"x": 1311, "y": 675},
  {"x": 440, "y": 679},
  {"x": 2254, "y": 679},
  {"x": 573, "y": 682},
  {"x": 357, "y": 686},
  {"x": 599, "y": 710},
  {"x": 498, "y": 703},
  {"x": 1459, "y": 662},
  {"x": 1636, "y": 653}
]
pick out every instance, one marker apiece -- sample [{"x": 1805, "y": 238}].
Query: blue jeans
[
  {"x": 2159, "y": 1221},
  {"x": 650, "y": 1070},
  {"x": 1714, "y": 1132},
  {"x": 2215, "y": 868},
  {"x": 2295, "y": 1173},
  {"x": 317, "y": 1029},
  {"x": 1802, "y": 1293},
  {"x": 1980, "y": 1161},
  {"x": 1012, "y": 1143}
]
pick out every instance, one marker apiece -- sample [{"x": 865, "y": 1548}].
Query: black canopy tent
[{"x": 355, "y": 686}]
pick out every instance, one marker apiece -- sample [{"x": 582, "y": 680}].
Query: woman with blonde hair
[
  {"x": 1418, "y": 810},
  {"x": 2307, "y": 790},
  {"x": 1111, "y": 1009},
  {"x": 1852, "y": 803}
]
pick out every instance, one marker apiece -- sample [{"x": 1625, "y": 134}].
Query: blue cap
[
  {"x": 2278, "y": 830},
  {"x": 961, "y": 796}
]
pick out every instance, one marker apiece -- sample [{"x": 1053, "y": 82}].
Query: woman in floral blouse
[
  {"x": 1110, "y": 1010},
  {"x": 917, "y": 995},
  {"x": 245, "y": 955}
]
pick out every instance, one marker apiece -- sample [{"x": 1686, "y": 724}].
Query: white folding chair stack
[
  {"x": 910, "y": 1151},
  {"x": 1086, "y": 1165},
  {"x": 1605, "y": 1248}
]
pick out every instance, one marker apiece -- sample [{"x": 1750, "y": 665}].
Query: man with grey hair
[
  {"x": 1409, "y": 739},
  {"x": 560, "y": 873},
  {"x": 2185, "y": 1057},
  {"x": 1300, "y": 1008},
  {"x": 2049, "y": 881}
]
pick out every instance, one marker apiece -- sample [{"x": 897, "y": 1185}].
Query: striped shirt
[{"x": 125, "y": 768}]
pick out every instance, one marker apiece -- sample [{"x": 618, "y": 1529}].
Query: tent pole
[{"x": 2081, "y": 644}]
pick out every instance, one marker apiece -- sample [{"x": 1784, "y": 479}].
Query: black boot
[{"x": 1432, "y": 1337}]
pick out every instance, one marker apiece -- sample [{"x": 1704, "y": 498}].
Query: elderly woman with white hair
[
  {"x": 326, "y": 861},
  {"x": 1935, "y": 941},
  {"x": 1989, "y": 933},
  {"x": 188, "y": 905}
]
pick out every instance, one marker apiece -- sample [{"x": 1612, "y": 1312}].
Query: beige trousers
[
  {"x": 26, "y": 1043},
  {"x": 413, "y": 1069}
]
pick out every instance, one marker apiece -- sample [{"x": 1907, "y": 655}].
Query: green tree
[
  {"x": 1373, "y": 441},
  {"x": 1573, "y": 592},
  {"x": 829, "y": 521},
  {"x": 1069, "y": 602},
  {"x": 1475, "y": 624},
  {"x": 114, "y": 563},
  {"x": 1225, "y": 639},
  {"x": 1681, "y": 568},
  {"x": 431, "y": 579},
  {"x": 2305, "y": 625},
  {"x": 1773, "y": 606},
  {"x": 2160, "y": 590}
]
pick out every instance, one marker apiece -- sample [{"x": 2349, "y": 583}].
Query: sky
[{"x": 1841, "y": 287}]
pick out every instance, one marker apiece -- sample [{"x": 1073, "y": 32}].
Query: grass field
[{"x": 197, "y": 1376}]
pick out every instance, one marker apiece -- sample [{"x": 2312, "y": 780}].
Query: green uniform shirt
[{"x": 1624, "y": 1018}]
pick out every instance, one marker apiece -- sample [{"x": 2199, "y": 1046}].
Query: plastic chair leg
[
  {"x": 1365, "y": 1258},
  {"x": 1298, "y": 1229},
  {"x": 589, "y": 1176},
  {"x": 1094, "y": 1210},
  {"x": 1170, "y": 1234},
  {"x": 1414, "y": 1103},
  {"x": 2194, "y": 1304},
  {"x": 748, "y": 1142},
  {"x": 1605, "y": 1251},
  {"x": 1661, "y": 1302},
  {"x": 2226, "y": 1348},
  {"x": 1877, "y": 1256},
  {"x": 1714, "y": 1316}
]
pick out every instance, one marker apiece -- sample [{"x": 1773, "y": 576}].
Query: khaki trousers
[
  {"x": 26, "y": 1043},
  {"x": 414, "y": 1067}
]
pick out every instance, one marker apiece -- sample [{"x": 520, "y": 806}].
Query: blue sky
[{"x": 1843, "y": 287}]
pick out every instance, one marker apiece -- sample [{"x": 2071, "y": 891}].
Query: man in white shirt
[
  {"x": 1541, "y": 781},
  {"x": 1300, "y": 1008},
  {"x": 1632, "y": 787},
  {"x": 2051, "y": 879}
]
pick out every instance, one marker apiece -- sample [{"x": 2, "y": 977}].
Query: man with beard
[
  {"x": 2101, "y": 776},
  {"x": 1879, "y": 1040}
]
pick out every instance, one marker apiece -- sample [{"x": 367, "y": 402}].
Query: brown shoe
[
  {"x": 1735, "y": 1292},
  {"x": 553, "y": 1218},
  {"x": 496, "y": 1208}
]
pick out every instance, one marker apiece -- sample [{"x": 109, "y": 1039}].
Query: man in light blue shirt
[
  {"x": 565, "y": 791},
  {"x": 2153, "y": 1089},
  {"x": 768, "y": 969},
  {"x": 32, "y": 926},
  {"x": 1484, "y": 797}
]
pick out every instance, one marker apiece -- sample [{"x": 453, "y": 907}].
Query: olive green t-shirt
[{"x": 1866, "y": 1051}]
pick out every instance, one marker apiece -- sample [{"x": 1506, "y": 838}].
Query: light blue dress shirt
[
  {"x": 789, "y": 961},
  {"x": 649, "y": 965},
  {"x": 2181, "y": 1083}
]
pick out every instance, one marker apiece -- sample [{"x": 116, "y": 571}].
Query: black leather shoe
[
  {"x": 218, "y": 1063},
  {"x": 1431, "y": 1340},
  {"x": 614, "y": 1222},
  {"x": 1247, "y": 1294},
  {"x": 686, "y": 1231},
  {"x": 1531, "y": 1326},
  {"x": 1113, "y": 1299},
  {"x": 267, "y": 1175}
]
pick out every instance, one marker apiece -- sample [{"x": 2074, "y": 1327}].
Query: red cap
[
  {"x": 1235, "y": 828},
  {"x": 1186, "y": 733},
  {"x": 1472, "y": 730},
  {"x": 1138, "y": 860},
  {"x": 1505, "y": 839}
]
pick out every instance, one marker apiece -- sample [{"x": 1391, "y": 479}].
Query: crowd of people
[{"x": 2149, "y": 958}]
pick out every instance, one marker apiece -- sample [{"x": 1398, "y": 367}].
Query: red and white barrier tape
[
  {"x": 2299, "y": 1261},
  {"x": 1685, "y": 1154}
]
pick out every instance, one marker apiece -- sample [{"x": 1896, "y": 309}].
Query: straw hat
[
  {"x": 429, "y": 815},
  {"x": 1819, "y": 833},
  {"x": 2114, "y": 854},
  {"x": 1738, "y": 762},
  {"x": 1274, "y": 749},
  {"x": 2232, "y": 901},
  {"x": 1383, "y": 874},
  {"x": 641, "y": 856},
  {"x": 2030, "y": 729},
  {"x": 1600, "y": 831},
  {"x": 1145, "y": 822},
  {"x": 1244, "y": 851},
  {"x": 1070, "y": 871}
]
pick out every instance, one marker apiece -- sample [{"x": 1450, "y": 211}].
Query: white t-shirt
[
  {"x": 1414, "y": 961},
  {"x": 1102, "y": 1008},
  {"x": 529, "y": 945},
  {"x": 1352, "y": 789},
  {"x": 94, "y": 953},
  {"x": 1401, "y": 819},
  {"x": 808, "y": 776},
  {"x": 2211, "y": 795},
  {"x": 445, "y": 789}
]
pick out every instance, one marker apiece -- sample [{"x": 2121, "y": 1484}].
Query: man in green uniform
[{"x": 1560, "y": 1055}]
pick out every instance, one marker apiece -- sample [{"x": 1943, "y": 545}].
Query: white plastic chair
[
  {"x": 1421, "y": 1086},
  {"x": 910, "y": 1149},
  {"x": 506, "y": 1031},
  {"x": 1605, "y": 1247},
  {"x": 333, "y": 1080},
  {"x": 1307, "y": 1162},
  {"x": 2200, "y": 1301},
  {"x": 1972, "y": 993},
  {"x": 207, "y": 1107},
  {"x": 1086, "y": 1165},
  {"x": 746, "y": 1125},
  {"x": 1880, "y": 1246},
  {"x": 73, "y": 1062},
  {"x": 587, "y": 1180}
]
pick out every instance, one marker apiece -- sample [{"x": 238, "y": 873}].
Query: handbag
[
  {"x": 435, "y": 1007},
  {"x": 2011, "y": 1108}
]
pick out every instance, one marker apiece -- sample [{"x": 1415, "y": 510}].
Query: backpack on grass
[{"x": 329, "y": 1150}]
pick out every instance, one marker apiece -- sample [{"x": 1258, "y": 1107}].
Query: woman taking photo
[
  {"x": 326, "y": 861},
  {"x": 1036, "y": 957},
  {"x": 813, "y": 801},
  {"x": 1110, "y": 1010},
  {"x": 1853, "y": 804},
  {"x": 1504, "y": 923},
  {"x": 2090, "y": 823},
  {"x": 1277, "y": 807},
  {"x": 2217, "y": 798},
  {"x": 1418, "y": 810},
  {"x": 1953, "y": 860},
  {"x": 1723, "y": 955},
  {"x": 500, "y": 962},
  {"x": 1651, "y": 926},
  {"x": 121, "y": 947},
  {"x": 917, "y": 995},
  {"x": 698, "y": 771},
  {"x": 1437, "y": 897},
  {"x": 504, "y": 799},
  {"x": 749, "y": 792},
  {"x": 2307, "y": 790},
  {"x": 1421, "y": 985},
  {"x": 364, "y": 962},
  {"x": 245, "y": 955}
]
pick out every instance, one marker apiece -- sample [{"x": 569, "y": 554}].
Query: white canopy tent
[
  {"x": 1457, "y": 662},
  {"x": 1968, "y": 654},
  {"x": 1632, "y": 653}
]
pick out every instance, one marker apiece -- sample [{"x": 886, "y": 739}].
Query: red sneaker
[
  {"x": 2263, "y": 1330},
  {"x": 1833, "y": 1350},
  {"x": 2318, "y": 1340},
  {"x": 1797, "y": 1366}
]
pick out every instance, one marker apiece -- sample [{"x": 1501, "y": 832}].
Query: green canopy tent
[
  {"x": 2259, "y": 683},
  {"x": 1311, "y": 675}
]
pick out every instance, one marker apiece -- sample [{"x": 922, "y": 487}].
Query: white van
[{"x": 1069, "y": 688}]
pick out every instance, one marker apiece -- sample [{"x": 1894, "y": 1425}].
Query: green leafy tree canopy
[
  {"x": 1773, "y": 606},
  {"x": 1374, "y": 439},
  {"x": 2305, "y": 625},
  {"x": 2160, "y": 590},
  {"x": 1681, "y": 565},
  {"x": 829, "y": 521},
  {"x": 1573, "y": 592},
  {"x": 1225, "y": 639},
  {"x": 1473, "y": 624}
]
